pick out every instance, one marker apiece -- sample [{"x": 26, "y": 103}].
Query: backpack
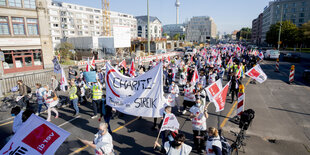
[
  {"x": 246, "y": 118},
  {"x": 28, "y": 89},
  {"x": 226, "y": 148},
  {"x": 88, "y": 93}
]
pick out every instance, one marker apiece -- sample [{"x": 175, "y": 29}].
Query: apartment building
[
  {"x": 24, "y": 37},
  {"x": 201, "y": 29}
]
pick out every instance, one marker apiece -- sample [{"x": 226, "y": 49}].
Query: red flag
[
  {"x": 220, "y": 98},
  {"x": 93, "y": 63},
  {"x": 191, "y": 58},
  {"x": 123, "y": 63},
  {"x": 168, "y": 58},
  {"x": 132, "y": 70},
  {"x": 195, "y": 77},
  {"x": 87, "y": 65}
]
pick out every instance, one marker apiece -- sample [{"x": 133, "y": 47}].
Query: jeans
[
  {"x": 97, "y": 105},
  {"x": 40, "y": 102},
  {"x": 75, "y": 105},
  {"x": 107, "y": 120}
]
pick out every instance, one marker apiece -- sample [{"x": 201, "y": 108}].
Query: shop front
[{"x": 22, "y": 60}]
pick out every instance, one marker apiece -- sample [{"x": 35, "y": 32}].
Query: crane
[{"x": 106, "y": 17}]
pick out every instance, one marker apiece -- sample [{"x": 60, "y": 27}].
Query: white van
[{"x": 272, "y": 54}]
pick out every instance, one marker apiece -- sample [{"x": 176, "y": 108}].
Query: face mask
[
  {"x": 13, "y": 115},
  {"x": 165, "y": 112},
  {"x": 198, "y": 104},
  {"x": 100, "y": 132},
  {"x": 176, "y": 144},
  {"x": 173, "y": 84}
]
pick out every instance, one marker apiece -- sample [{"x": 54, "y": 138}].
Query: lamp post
[
  {"x": 148, "y": 30},
  {"x": 279, "y": 37}
]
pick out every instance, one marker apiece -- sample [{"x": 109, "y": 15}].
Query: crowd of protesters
[{"x": 186, "y": 76}]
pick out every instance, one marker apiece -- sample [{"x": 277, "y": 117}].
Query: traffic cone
[
  {"x": 292, "y": 73},
  {"x": 277, "y": 66}
]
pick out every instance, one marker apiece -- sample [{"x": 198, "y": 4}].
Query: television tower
[{"x": 177, "y": 5}]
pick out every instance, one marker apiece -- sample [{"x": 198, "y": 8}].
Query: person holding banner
[
  {"x": 73, "y": 96},
  {"x": 97, "y": 98},
  {"x": 199, "y": 115},
  {"x": 173, "y": 96},
  {"x": 103, "y": 142}
]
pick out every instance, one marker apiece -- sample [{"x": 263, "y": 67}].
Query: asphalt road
[{"x": 281, "y": 124}]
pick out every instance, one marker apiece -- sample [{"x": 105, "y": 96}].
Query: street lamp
[
  {"x": 279, "y": 37},
  {"x": 148, "y": 30}
]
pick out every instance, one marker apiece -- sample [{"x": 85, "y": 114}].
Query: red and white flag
[
  {"x": 257, "y": 74},
  {"x": 123, "y": 63},
  {"x": 170, "y": 122},
  {"x": 92, "y": 65},
  {"x": 132, "y": 70},
  {"x": 239, "y": 72},
  {"x": 35, "y": 137},
  {"x": 213, "y": 89},
  {"x": 63, "y": 80},
  {"x": 195, "y": 77},
  {"x": 261, "y": 55},
  {"x": 87, "y": 65},
  {"x": 220, "y": 98},
  {"x": 169, "y": 59}
]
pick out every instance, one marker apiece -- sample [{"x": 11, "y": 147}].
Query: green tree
[
  {"x": 176, "y": 36},
  {"x": 183, "y": 36},
  {"x": 304, "y": 34},
  {"x": 289, "y": 34},
  {"x": 65, "y": 50},
  {"x": 244, "y": 34}
]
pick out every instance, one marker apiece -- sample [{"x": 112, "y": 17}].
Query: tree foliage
[
  {"x": 244, "y": 34},
  {"x": 176, "y": 36},
  {"x": 289, "y": 34},
  {"x": 65, "y": 50}
]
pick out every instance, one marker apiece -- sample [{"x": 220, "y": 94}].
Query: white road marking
[{"x": 69, "y": 121}]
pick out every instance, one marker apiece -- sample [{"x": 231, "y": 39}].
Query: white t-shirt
[
  {"x": 198, "y": 123},
  {"x": 104, "y": 143},
  {"x": 183, "y": 150}
]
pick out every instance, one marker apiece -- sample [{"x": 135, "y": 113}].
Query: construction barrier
[
  {"x": 292, "y": 74},
  {"x": 241, "y": 98},
  {"x": 277, "y": 66}
]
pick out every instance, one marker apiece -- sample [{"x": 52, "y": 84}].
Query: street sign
[{"x": 1, "y": 56}]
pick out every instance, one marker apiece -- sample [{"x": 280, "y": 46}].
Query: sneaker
[
  {"x": 93, "y": 117},
  {"x": 76, "y": 114},
  {"x": 184, "y": 112},
  {"x": 37, "y": 114}
]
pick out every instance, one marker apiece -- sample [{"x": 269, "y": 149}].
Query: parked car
[
  {"x": 272, "y": 54},
  {"x": 189, "y": 51},
  {"x": 292, "y": 57}
]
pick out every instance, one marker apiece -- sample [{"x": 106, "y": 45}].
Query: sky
[{"x": 228, "y": 15}]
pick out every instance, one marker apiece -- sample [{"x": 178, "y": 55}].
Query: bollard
[
  {"x": 277, "y": 66},
  {"x": 241, "y": 97},
  {"x": 292, "y": 73}
]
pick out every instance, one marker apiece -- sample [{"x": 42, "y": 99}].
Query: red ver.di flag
[
  {"x": 220, "y": 98},
  {"x": 257, "y": 74},
  {"x": 35, "y": 137},
  {"x": 213, "y": 89},
  {"x": 170, "y": 122}
]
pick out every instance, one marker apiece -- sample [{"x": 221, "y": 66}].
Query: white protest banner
[
  {"x": 35, "y": 137},
  {"x": 138, "y": 96},
  {"x": 220, "y": 98},
  {"x": 213, "y": 89},
  {"x": 257, "y": 74},
  {"x": 170, "y": 122}
]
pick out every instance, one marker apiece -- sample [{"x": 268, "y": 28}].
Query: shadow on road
[{"x": 296, "y": 112}]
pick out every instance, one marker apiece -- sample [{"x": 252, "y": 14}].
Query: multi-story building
[
  {"x": 71, "y": 20},
  {"x": 201, "y": 29},
  {"x": 155, "y": 27},
  {"x": 24, "y": 37},
  {"x": 257, "y": 30},
  {"x": 234, "y": 35},
  {"x": 173, "y": 29},
  {"x": 296, "y": 11}
]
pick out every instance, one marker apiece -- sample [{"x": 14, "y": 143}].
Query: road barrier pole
[
  {"x": 292, "y": 74},
  {"x": 277, "y": 66}
]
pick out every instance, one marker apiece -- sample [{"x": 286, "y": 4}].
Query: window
[
  {"x": 15, "y": 3},
  {"x": 4, "y": 26},
  {"x": 18, "y": 26},
  {"x": 301, "y": 15},
  {"x": 293, "y": 10},
  {"x": 81, "y": 8},
  {"x": 37, "y": 58},
  {"x": 55, "y": 25},
  {"x": 301, "y": 20},
  {"x": 33, "y": 28},
  {"x": 302, "y": 9},
  {"x": 3, "y": 2},
  {"x": 30, "y": 4}
]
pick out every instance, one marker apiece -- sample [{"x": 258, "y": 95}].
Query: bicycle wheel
[{"x": 234, "y": 150}]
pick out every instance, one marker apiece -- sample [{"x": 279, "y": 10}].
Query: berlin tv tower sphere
[{"x": 177, "y": 3}]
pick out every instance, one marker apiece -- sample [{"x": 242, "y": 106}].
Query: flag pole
[{"x": 159, "y": 133}]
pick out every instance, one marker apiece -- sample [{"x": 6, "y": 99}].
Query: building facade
[
  {"x": 201, "y": 29},
  {"x": 71, "y": 20},
  {"x": 257, "y": 30},
  {"x": 173, "y": 29},
  {"x": 155, "y": 27},
  {"x": 296, "y": 11},
  {"x": 234, "y": 35},
  {"x": 24, "y": 39}
]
